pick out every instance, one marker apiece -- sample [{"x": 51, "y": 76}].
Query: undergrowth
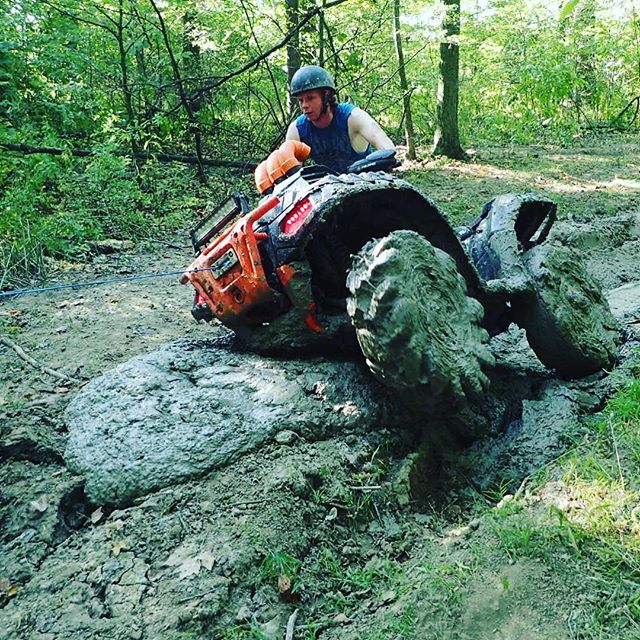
[
  {"x": 591, "y": 521},
  {"x": 54, "y": 206}
]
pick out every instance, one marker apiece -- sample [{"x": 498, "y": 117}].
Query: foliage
[{"x": 140, "y": 75}]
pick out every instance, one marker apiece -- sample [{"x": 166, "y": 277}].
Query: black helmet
[{"x": 309, "y": 78}]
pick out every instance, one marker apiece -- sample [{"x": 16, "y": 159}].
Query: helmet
[{"x": 309, "y": 78}]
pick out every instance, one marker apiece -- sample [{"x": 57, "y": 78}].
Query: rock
[
  {"x": 111, "y": 245},
  {"x": 243, "y": 615},
  {"x": 271, "y": 630},
  {"x": 286, "y": 437},
  {"x": 625, "y": 301},
  {"x": 193, "y": 406}
]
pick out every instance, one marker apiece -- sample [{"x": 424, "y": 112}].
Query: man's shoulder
[{"x": 346, "y": 108}]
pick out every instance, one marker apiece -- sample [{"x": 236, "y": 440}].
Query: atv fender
[{"x": 509, "y": 225}]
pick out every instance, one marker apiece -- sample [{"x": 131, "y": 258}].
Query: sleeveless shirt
[{"x": 331, "y": 146}]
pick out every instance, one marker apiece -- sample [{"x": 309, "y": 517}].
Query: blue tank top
[{"x": 331, "y": 146}]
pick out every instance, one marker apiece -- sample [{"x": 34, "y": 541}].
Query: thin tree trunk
[
  {"x": 124, "y": 79},
  {"x": 293, "y": 46},
  {"x": 193, "y": 62},
  {"x": 404, "y": 86},
  {"x": 194, "y": 126},
  {"x": 446, "y": 140},
  {"x": 321, "y": 28}
]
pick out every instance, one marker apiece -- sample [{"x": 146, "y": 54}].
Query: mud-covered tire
[
  {"x": 415, "y": 324},
  {"x": 567, "y": 319}
]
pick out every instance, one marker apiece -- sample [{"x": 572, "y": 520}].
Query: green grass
[
  {"x": 595, "y": 519},
  {"x": 52, "y": 207},
  {"x": 277, "y": 566}
]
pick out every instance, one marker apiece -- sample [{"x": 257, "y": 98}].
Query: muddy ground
[{"x": 313, "y": 533}]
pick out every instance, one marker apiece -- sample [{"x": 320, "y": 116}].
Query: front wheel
[
  {"x": 415, "y": 324},
  {"x": 567, "y": 319}
]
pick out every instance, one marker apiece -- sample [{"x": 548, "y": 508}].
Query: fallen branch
[
  {"x": 291, "y": 625},
  {"x": 34, "y": 363},
  {"x": 633, "y": 101},
  {"x": 247, "y": 165}
]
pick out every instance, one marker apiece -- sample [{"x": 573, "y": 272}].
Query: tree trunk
[
  {"x": 406, "y": 94},
  {"x": 321, "y": 28},
  {"x": 446, "y": 140},
  {"x": 192, "y": 63},
  {"x": 132, "y": 124},
  {"x": 194, "y": 125},
  {"x": 293, "y": 46}
]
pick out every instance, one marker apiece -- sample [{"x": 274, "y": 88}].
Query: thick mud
[
  {"x": 307, "y": 489},
  {"x": 194, "y": 406}
]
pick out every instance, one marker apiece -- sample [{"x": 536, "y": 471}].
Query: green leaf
[{"x": 568, "y": 8}]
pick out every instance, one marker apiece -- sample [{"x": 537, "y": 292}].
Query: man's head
[{"x": 315, "y": 90}]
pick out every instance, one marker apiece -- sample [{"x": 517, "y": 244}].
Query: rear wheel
[
  {"x": 567, "y": 319},
  {"x": 415, "y": 324}
]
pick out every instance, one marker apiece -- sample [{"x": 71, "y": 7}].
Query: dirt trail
[{"x": 336, "y": 528}]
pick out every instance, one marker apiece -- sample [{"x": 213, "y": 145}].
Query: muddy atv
[{"x": 324, "y": 257}]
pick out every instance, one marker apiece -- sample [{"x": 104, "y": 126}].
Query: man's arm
[
  {"x": 363, "y": 129},
  {"x": 292, "y": 132}
]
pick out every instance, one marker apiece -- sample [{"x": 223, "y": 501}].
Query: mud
[
  {"x": 333, "y": 517},
  {"x": 194, "y": 406}
]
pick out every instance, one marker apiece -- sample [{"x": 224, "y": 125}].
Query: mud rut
[{"x": 199, "y": 558}]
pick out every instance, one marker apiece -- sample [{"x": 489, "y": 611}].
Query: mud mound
[{"x": 193, "y": 406}]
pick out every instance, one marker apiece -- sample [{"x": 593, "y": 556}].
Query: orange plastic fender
[
  {"x": 294, "y": 153},
  {"x": 274, "y": 165},
  {"x": 290, "y": 154}
]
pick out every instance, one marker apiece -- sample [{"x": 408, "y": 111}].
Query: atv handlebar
[{"x": 375, "y": 161}]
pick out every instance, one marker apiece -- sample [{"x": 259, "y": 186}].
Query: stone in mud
[
  {"x": 190, "y": 407},
  {"x": 625, "y": 301}
]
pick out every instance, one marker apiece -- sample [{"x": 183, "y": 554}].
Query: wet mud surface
[{"x": 331, "y": 492}]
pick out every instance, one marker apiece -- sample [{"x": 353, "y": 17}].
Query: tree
[
  {"x": 293, "y": 46},
  {"x": 446, "y": 140},
  {"x": 404, "y": 86}
]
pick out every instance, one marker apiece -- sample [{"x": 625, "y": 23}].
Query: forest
[
  {"x": 122, "y": 118},
  {"x": 165, "y": 478}
]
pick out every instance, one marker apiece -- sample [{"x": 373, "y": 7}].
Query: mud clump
[{"x": 193, "y": 406}]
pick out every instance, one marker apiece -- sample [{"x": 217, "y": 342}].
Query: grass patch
[
  {"x": 54, "y": 206},
  {"x": 591, "y": 521}
]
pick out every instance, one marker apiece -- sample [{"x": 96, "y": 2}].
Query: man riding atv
[
  {"x": 328, "y": 258},
  {"x": 338, "y": 133}
]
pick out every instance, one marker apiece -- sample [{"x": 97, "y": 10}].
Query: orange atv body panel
[{"x": 229, "y": 274}]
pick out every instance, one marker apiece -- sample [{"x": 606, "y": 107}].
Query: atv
[{"x": 324, "y": 258}]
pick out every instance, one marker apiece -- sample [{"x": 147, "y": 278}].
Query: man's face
[{"x": 311, "y": 103}]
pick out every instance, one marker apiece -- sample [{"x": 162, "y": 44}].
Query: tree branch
[
  {"x": 34, "y": 363},
  {"x": 263, "y": 56},
  {"x": 247, "y": 165}
]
